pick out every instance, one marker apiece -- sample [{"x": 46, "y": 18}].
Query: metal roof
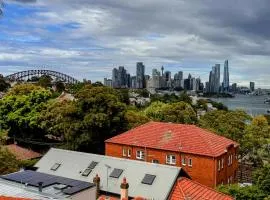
[{"x": 73, "y": 164}]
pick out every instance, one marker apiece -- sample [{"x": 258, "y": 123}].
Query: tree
[
  {"x": 261, "y": 178},
  {"x": 96, "y": 115},
  {"x": 19, "y": 111},
  {"x": 135, "y": 118},
  {"x": 243, "y": 193},
  {"x": 23, "y": 89},
  {"x": 3, "y": 84},
  {"x": 60, "y": 86},
  {"x": 184, "y": 97},
  {"x": 180, "y": 112},
  {"x": 45, "y": 81},
  {"x": 8, "y": 162}
]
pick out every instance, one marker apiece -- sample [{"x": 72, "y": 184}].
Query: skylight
[
  {"x": 148, "y": 179},
  {"x": 86, "y": 172},
  {"x": 55, "y": 166},
  {"x": 92, "y": 165},
  {"x": 116, "y": 173}
]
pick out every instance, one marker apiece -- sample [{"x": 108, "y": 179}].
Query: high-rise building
[
  {"x": 178, "y": 77},
  {"x": 217, "y": 78},
  {"x": 234, "y": 87},
  {"x": 252, "y": 86},
  {"x": 108, "y": 82},
  {"x": 226, "y": 79},
  {"x": 120, "y": 78},
  {"x": 155, "y": 81},
  {"x": 214, "y": 79},
  {"x": 133, "y": 83},
  {"x": 140, "y": 79}
]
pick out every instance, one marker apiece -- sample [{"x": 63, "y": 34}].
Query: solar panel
[
  {"x": 86, "y": 172},
  {"x": 116, "y": 173},
  {"x": 55, "y": 166},
  {"x": 33, "y": 178},
  {"x": 76, "y": 189},
  {"x": 148, "y": 179},
  {"x": 92, "y": 165}
]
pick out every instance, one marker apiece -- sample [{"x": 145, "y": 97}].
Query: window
[
  {"x": 190, "y": 162},
  {"x": 140, "y": 155},
  {"x": 170, "y": 159},
  {"x": 148, "y": 179},
  {"x": 183, "y": 160},
  {"x": 129, "y": 153},
  {"x": 124, "y": 152},
  {"x": 218, "y": 165},
  {"x": 86, "y": 172},
  {"x": 222, "y": 163},
  {"x": 155, "y": 161},
  {"x": 55, "y": 166},
  {"x": 116, "y": 173}
]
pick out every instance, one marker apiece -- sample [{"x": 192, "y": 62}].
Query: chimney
[
  {"x": 124, "y": 189},
  {"x": 96, "y": 180},
  {"x": 40, "y": 186}
]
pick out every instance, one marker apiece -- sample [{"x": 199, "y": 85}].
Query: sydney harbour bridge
[{"x": 19, "y": 76}]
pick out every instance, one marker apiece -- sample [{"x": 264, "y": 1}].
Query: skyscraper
[
  {"x": 120, "y": 78},
  {"x": 140, "y": 81},
  {"x": 217, "y": 78},
  {"x": 252, "y": 86},
  {"x": 226, "y": 79}
]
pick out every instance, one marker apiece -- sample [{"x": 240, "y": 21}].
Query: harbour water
[{"x": 253, "y": 105}]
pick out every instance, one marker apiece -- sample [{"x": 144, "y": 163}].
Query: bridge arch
[{"x": 20, "y": 75}]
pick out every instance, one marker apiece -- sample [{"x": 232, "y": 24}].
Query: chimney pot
[
  {"x": 124, "y": 189},
  {"x": 96, "y": 180}
]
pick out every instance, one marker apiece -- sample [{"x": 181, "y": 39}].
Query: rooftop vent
[{"x": 55, "y": 166}]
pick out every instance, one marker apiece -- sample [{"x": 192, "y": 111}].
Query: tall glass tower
[{"x": 226, "y": 80}]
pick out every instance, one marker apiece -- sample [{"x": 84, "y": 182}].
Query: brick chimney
[
  {"x": 124, "y": 189},
  {"x": 96, "y": 181}
]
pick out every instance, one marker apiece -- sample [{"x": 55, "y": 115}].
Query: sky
[{"x": 88, "y": 38}]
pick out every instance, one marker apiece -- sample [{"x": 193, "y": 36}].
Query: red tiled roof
[
  {"x": 22, "y": 153},
  {"x": 12, "y": 198},
  {"x": 175, "y": 137},
  {"x": 188, "y": 189}
]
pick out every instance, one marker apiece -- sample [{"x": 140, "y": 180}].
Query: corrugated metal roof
[{"x": 74, "y": 163}]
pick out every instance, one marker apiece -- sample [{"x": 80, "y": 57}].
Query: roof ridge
[
  {"x": 205, "y": 187},
  {"x": 181, "y": 190}
]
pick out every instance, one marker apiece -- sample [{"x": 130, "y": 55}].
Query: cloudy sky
[{"x": 87, "y": 38}]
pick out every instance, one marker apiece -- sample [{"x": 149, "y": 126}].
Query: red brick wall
[{"x": 204, "y": 169}]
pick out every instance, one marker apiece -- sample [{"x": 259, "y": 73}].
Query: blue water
[{"x": 253, "y": 105}]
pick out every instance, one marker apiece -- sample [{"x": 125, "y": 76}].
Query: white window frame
[
  {"x": 140, "y": 155},
  {"x": 171, "y": 159},
  {"x": 129, "y": 153},
  {"x": 183, "y": 160},
  {"x": 190, "y": 162},
  {"x": 124, "y": 152}
]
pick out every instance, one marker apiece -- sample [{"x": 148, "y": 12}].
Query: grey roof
[
  {"x": 13, "y": 189},
  {"x": 74, "y": 163}
]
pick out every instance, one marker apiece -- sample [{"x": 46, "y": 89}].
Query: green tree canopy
[
  {"x": 8, "y": 162},
  {"x": 19, "y": 110},
  {"x": 261, "y": 178},
  {"x": 179, "y": 112},
  {"x": 45, "y": 81},
  {"x": 3, "y": 84},
  {"x": 96, "y": 115}
]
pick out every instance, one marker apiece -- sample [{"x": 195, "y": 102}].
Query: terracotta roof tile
[
  {"x": 175, "y": 137},
  {"x": 188, "y": 189},
  {"x": 22, "y": 153}
]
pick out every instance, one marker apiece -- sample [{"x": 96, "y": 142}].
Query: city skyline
[{"x": 86, "y": 39}]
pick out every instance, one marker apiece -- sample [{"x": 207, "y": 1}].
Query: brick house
[{"x": 208, "y": 158}]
